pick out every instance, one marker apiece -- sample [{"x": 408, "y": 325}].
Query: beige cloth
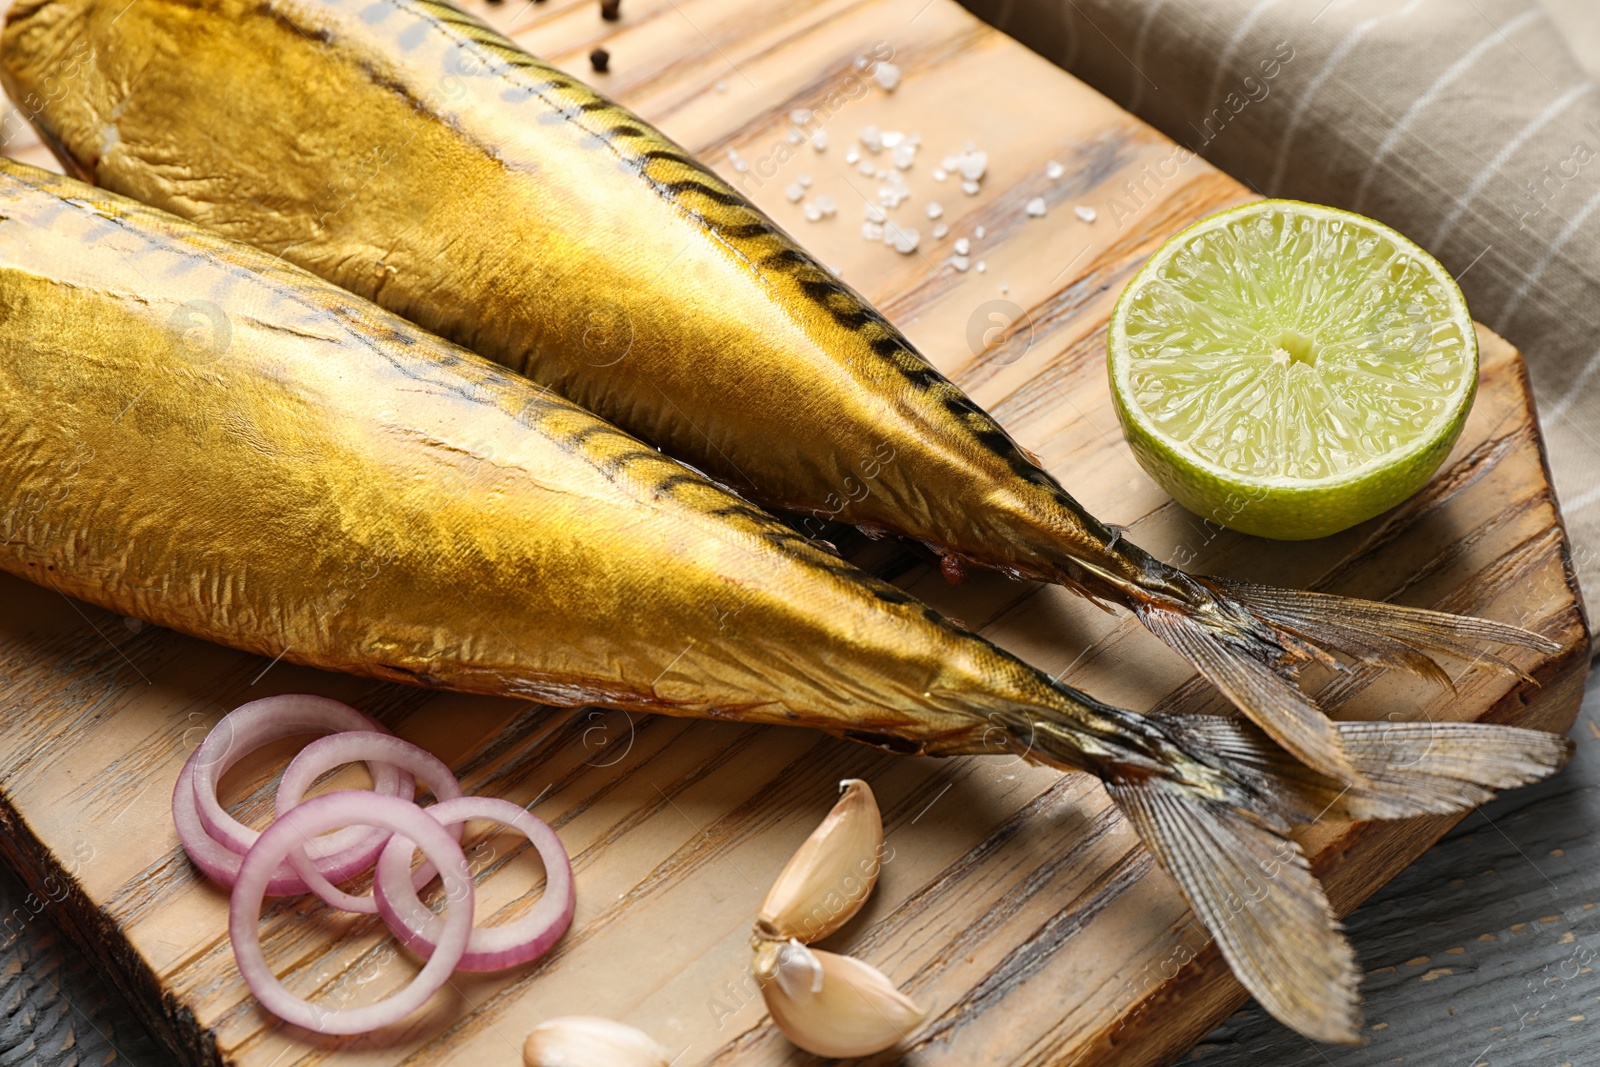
[
  {"x": 1473, "y": 126},
  {"x": 1579, "y": 23}
]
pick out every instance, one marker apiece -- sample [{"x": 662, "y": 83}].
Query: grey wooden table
[{"x": 1482, "y": 954}]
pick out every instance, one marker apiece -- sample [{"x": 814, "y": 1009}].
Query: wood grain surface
[{"x": 1017, "y": 904}]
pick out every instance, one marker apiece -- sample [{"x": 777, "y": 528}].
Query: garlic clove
[
  {"x": 831, "y": 875},
  {"x": 590, "y": 1041},
  {"x": 852, "y": 1011}
]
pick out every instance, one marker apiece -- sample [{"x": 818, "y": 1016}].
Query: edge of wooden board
[{"x": 89, "y": 930}]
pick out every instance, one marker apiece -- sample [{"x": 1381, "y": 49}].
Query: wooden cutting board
[{"x": 1016, "y": 904}]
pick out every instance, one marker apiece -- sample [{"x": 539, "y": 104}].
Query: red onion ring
[
  {"x": 490, "y": 948},
  {"x": 216, "y": 861},
  {"x": 260, "y": 722},
  {"x": 348, "y": 807},
  {"x": 378, "y": 750},
  {"x": 221, "y": 864}
]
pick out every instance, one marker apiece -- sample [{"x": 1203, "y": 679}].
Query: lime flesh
[{"x": 1291, "y": 370}]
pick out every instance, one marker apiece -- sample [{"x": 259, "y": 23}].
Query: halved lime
[{"x": 1290, "y": 370}]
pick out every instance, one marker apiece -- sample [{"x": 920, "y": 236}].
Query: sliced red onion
[
  {"x": 491, "y": 947},
  {"x": 221, "y": 864},
  {"x": 349, "y": 807},
  {"x": 378, "y": 750},
  {"x": 260, "y": 722},
  {"x": 215, "y": 861}
]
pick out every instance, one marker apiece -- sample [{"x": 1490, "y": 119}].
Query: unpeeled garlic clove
[
  {"x": 589, "y": 1041},
  {"x": 833, "y": 1005},
  {"x": 831, "y": 875}
]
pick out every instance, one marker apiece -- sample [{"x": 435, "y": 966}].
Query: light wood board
[{"x": 1016, "y": 904}]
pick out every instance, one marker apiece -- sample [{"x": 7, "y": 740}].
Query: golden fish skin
[
  {"x": 227, "y": 446},
  {"x": 500, "y": 203},
  {"x": 196, "y": 434},
  {"x": 411, "y": 154}
]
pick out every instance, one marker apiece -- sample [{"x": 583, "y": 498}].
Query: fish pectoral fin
[
  {"x": 1235, "y": 660},
  {"x": 1253, "y": 890}
]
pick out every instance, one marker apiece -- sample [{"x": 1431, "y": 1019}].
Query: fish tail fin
[
  {"x": 1244, "y": 659},
  {"x": 1249, "y": 639},
  {"x": 1438, "y": 768},
  {"x": 1405, "y": 768},
  {"x": 1251, "y": 887},
  {"x": 1214, "y": 798},
  {"x": 1377, "y": 633}
]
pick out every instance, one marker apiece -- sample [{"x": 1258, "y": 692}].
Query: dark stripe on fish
[{"x": 728, "y": 215}]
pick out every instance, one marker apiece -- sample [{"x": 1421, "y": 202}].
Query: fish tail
[
  {"x": 1214, "y": 799},
  {"x": 1380, "y": 634},
  {"x": 1251, "y": 887},
  {"x": 1438, "y": 768},
  {"x": 1248, "y": 640}
]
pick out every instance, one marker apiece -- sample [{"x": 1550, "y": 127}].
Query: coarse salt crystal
[
  {"x": 892, "y": 138},
  {"x": 1085, "y": 212},
  {"x": 872, "y": 231},
  {"x": 871, "y": 138},
  {"x": 875, "y": 213},
  {"x": 960, "y": 263},
  {"x": 904, "y": 155},
  {"x": 1005, "y": 288},
  {"x": 888, "y": 76},
  {"x": 973, "y": 164},
  {"x": 851, "y": 155},
  {"x": 865, "y": 167},
  {"x": 721, "y": 87},
  {"x": 800, "y": 116},
  {"x": 827, "y": 205},
  {"x": 982, "y": 266},
  {"x": 1036, "y": 207},
  {"x": 963, "y": 246},
  {"x": 933, "y": 209},
  {"x": 1054, "y": 170},
  {"x": 939, "y": 230},
  {"x": 901, "y": 239},
  {"x": 819, "y": 140},
  {"x": 813, "y": 213},
  {"x": 970, "y": 188},
  {"x": 804, "y": 180},
  {"x": 940, "y": 174},
  {"x": 794, "y": 191},
  {"x": 794, "y": 136},
  {"x": 740, "y": 165},
  {"x": 978, "y": 233}
]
